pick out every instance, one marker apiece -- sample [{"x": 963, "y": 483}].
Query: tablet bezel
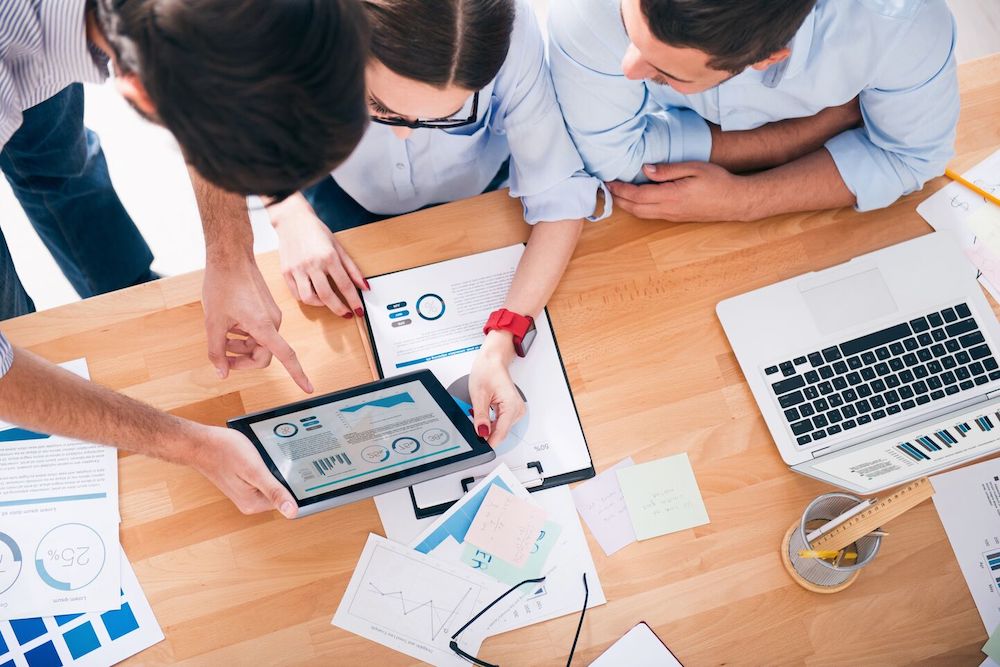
[{"x": 480, "y": 453}]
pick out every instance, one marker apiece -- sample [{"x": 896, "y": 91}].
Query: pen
[{"x": 972, "y": 186}]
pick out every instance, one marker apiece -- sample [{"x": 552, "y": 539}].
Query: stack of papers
[
  {"x": 972, "y": 220},
  {"x": 413, "y": 598},
  {"x": 59, "y": 547}
]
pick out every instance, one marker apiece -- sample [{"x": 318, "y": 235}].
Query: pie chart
[{"x": 459, "y": 390}]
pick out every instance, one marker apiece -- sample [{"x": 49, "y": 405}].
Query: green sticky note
[
  {"x": 506, "y": 572},
  {"x": 992, "y": 645},
  {"x": 662, "y": 496}
]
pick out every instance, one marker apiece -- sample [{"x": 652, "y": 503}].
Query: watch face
[{"x": 529, "y": 338}]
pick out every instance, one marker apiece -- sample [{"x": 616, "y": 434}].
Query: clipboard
[{"x": 534, "y": 473}]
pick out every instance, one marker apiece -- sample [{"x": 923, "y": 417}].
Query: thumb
[
  {"x": 481, "y": 414},
  {"x": 665, "y": 171},
  {"x": 217, "y": 339},
  {"x": 279, "y": 496}
]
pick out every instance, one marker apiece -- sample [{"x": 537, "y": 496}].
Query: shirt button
[{"x": 400, "y": 166}]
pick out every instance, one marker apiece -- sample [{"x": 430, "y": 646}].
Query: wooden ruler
[{"x": 881, "y": 512}]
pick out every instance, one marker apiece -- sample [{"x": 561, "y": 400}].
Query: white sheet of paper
[
  {"x": 950, "y": 208},
  {"x": 432, "y": 317},
  {"x": 639, "y": 647},
  {"x": 59, "y": 545},
  {"x": 413, "y": 603},
  {"x": 968, "y": 502},
  {"x": 506, "y": 526},
  {"x": 602, "y": 505},
  {"x": 96, "y": 641}
]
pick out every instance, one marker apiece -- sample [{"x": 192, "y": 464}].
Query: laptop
[{"x": 875, "y": 372}]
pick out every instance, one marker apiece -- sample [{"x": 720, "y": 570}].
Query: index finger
[{"x": 269, "y": 337}]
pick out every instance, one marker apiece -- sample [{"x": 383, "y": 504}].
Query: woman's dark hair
[
  {"x": 264, "y": 96},
  {"x": 442, "y": 42},
  {"x": 735, "y": 33}
]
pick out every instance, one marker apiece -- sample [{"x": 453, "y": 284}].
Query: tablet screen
[{"x": 359, "y": 439}]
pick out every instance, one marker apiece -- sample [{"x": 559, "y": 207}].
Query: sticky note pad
[
  {"x": 602, "y": 505},
  {"x": 992, "y": 646},
  {"x": 662, "y": 496},
  {"x": 506, "y": 526}
]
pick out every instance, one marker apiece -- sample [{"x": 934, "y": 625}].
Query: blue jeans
[
  {"x": 58, "y": 173},
  {"x": 339, "y": 211}
]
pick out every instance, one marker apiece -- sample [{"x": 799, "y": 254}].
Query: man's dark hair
[
  {"x": 734, "y": 33},
  {"x": 264, "y": 96},
  {"x": 442, "y": 42}
]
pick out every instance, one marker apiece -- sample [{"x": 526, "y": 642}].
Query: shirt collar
[{"x": 800, "y": 46}]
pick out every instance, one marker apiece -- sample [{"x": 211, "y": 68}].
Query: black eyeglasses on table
[
  {"x": 434, "y": 123},
  {"x": 453, "y": 645}
]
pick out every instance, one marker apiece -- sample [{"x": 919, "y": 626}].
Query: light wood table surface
[{"x": 652, "y": 375}]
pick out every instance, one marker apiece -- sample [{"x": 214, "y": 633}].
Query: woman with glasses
[{"x": 461, "y": 102}]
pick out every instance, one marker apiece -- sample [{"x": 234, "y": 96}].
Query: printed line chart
[{"x": 435, "y": 613}]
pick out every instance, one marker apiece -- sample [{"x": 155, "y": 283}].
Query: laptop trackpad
[{"x": 848, "y": 302}]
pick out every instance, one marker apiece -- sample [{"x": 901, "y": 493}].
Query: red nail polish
[
  {"x": 349, "y": 315},
  {"x": 367, "y": 286},
  {"x": 472, "y": 413},
  {"x": 360, "y": 312},
  {"x": 483, "y": 430}
]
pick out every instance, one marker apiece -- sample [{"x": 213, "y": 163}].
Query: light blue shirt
[
  {"x": 897, "y": 55},
  {"x": 518, "y": 118}
]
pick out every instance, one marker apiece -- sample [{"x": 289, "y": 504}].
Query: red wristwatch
[{"x": 521, "y": 326}]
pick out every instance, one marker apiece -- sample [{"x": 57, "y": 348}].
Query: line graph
[
  {"x": 429, "y": 605},
  {"x": 411, "y": 597}
]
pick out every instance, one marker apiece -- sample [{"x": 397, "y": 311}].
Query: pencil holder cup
[{"x": 816, "y": 574}]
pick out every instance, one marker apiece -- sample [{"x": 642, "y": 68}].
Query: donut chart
[
  {"x": 405, "y": 445},
  {"x": 70, "y": 557},
  {"x": 10, "y": 562},
  {"x": 459, "y": 390}
]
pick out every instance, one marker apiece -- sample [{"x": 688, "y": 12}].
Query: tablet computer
[{"x": 334, "y": 449}]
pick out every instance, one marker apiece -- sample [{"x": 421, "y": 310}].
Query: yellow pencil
[
  {"x": 972, "y": 186},
  {"x": 826, "y": 555}
]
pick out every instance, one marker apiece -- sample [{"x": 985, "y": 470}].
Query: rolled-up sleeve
[
  {"x": 615, "y": 125},
  {"x": 546, "y": 171},
  {"x": 6, "y": 355},
  {"x": 910, "y": 113}
]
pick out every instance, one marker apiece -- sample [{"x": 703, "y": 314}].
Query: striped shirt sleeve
[{"x": 6, "y": 355}]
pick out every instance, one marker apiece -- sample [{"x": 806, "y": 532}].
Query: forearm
[
  {"x": 225, "y": 221},
  {"x": 780, "y": 142},
  {"x": 550, "y": 247},
  {"x": 810, "y": 183},
  {"x": 43, "y": 397}
]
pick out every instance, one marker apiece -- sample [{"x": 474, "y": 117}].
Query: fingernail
[
  {"x": 360, "y": 312},
  {"x": 221, "y": 373},
  {"x": 349, "y": 315},
  {"x": 472, "y": 413},
  {"x": 367, "y": 286},
  {"x": 649, "y": 167},
  {"x": 483, "y": 430},
  {"x": 287, "y": 508}
]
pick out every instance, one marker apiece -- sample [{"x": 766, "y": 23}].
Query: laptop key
[
  {"x": 938, "y": 335},
  {"x": 995, "y": 375},
  {"x": 839, "y": 383},
  {"x": 849, "y": 411},
  {"x": 935, "y": 395},
  {"x": 850, "y": 423},
  {"x": 824, "y": 388},
  {"x": 938, "y": 350},
  {"x": 803, "y": 440},
  {"x": 798, "y": 361},
  {"x": 935, "y": 319},
  {"x": 949, "y": 362},
  {"x": 949, "y": 315},
  {"x": 834, "y": 429},
  {"x": 868, "y": 358},
  {"x": 911, "y": 344},
  {"x": 892, "y": 381},
  {"x": 863, "y": 406},
  {"x": 934, "y": 382},
  {"x": 878, "y": 402},
  {"x": 974, "y": 338},
  {"x": 878, "y": 414},
  {"x": 934, "y": 367},
  {"x": 976, "y": 368},
  {"x": 791, "y": 414},
  {"x": 963, "y": 310},
  {"x": 826, "y": 372},
  {"x": 919, "y": 324},
  {"x": 850, "y": 395},
  {"x": 908, "y": 405},
  {"x": 770, "y": 370},
  {"x": 923, "y": 354},
  {"x": 882, "y": 353},
  {"x": 962, "y": 373},
  {"x": 811, "y": 392},
  {"x": 792, "y": 399},
  {"x": 820, "y": 421},
  {"x": 923, "y": 399},
  {"x": 896, "y": 348},
  {"x": 906, "y": 392},
  {"x": 959, "y": 328},
  {"x": 920, "y": 372},
  {"x": 834, "y": 416},
  {"x": 891, "y": 396},
  {"x": 831, "y": 354},
  {"x": 990, "y": 364},
  {"x": 878, "y": 386},
  {"x": 951, "y": 389},
  {"x": 873, "y": 340},
  {"x": 786, "y": 368},
  {"x": 980, "y": 352},
  {"x": 882, "y": 368},
  {"x": 807, "y": 410},
  {"x": 982, "y": 379},
  {"x": 785, "y": 386},
  {"x": 816, "y": 359},
  {"x": 812, "y": 377},
  {"x": 893, "y": 409},
  {"x": 896, "y": 364},
  {"x": 864, "y": 419},
  {"x": 804, "y": 426},
  {"x": 819, "y": 435},
  {"x": 868, "y": 373},
  {"x": 864, "y": 391},
  {"x": 821, "y": 405},
  {"x": 962, "y": 357},
  {"x": 920, "y": 387},
  {"x": 952, "y": 345},
  {"x": 854, "y": 378},
  {"x": 968, "y": 384},
  {"x": 835, "y": 401},
  {"x": 855, "y": 362},
  {"x": 925, "y": 339},
  {"x": 840, "y": 367}
]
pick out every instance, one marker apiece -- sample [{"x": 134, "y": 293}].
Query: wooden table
[{"x": 652, "y": 374}]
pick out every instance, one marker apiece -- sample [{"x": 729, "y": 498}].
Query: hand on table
[
  {"x": 242, "y": 320},
  {"x": 490, "y": 385},
  {"x": 686, "y": 192},
  {"x": 230, "y": 462},
  {"x": 311, "y": 257}
]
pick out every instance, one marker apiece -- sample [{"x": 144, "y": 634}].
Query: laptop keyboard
[{"x": 840, "y": 388}]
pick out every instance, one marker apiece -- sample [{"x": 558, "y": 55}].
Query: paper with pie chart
[
  {"x": 432, "y": 317},
  {"x": 59, "y": 546}
]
